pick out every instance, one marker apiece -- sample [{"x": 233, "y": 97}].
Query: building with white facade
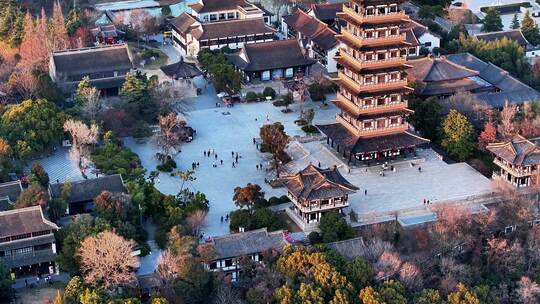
[{"x": 214, "y": 24}]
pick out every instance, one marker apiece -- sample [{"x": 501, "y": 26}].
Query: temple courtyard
[{"x": 232, "y": 129}]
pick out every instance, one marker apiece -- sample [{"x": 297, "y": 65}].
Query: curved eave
[
  {"x": 363, "y": 47},
  {"x": 383, "y": 22}
]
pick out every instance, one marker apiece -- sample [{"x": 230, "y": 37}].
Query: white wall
[{"x": 429, "y": 37}]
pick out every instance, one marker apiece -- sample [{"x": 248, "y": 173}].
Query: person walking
[
  {"x": 419, "y": 169},
  {"x": 257, "y": 166},
  {"x": 365, "y": 192},
  {"x": 204, "y": 153},
  {"x": 236, "y": 158},
  {"x": 221, "y": 161},
  {"x": 215, "y": 155},
  {"x": 214, "y": 164},
  {"x": 233, "y": 165},
  {"x": 232, "y": 154}
]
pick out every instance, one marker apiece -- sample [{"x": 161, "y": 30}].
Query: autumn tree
[
  {"x": 507, "y": 126},
  {"x": 528, "y": 291},
  {"x": 275, "y": 140},
  {"x": 169, "y": 136},
  {"x": 33, "y": 50},
  {"x": 458, "y": 136},
  {"x": 529, "y": 28},
  {"x": 183, "y": 276},
  {"x": 58, "y": 36},
  {"x": 82, "y": 136},
  {"x": 248, "y": 196},
  {"x": 487, "y": 136},
  {"x": 39, "y": 175},
  {"x": 312, "y": 267},
  {"x": 462, "y": 296},
  {"x": 23, "y": 83},
  {"x": 35, "y": 195},
  {"x": 106, "y": 260},
  {"x": 87, "y": 98}
]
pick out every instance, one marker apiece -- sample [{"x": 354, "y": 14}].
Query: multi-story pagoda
[{"x": 372, "y": 82}]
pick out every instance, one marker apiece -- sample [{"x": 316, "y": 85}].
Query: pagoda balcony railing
[
  {"x": 360, "y": 64},
  {"x": 342, "y": 101},
  {"x": 359, "y": 87},
  {"x": 358, "y": 17},
  {"x": 383, "y": 131},
  {"x": 320, "y": 207},
  {"x": 360, "y": 41},
  {"x": 371, "y": 133},
  {"x": 512, "y": 170}
]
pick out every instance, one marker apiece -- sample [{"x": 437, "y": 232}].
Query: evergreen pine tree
[
  {"x": 7, "y": 19},
  {"x": 529, "y": 28},
  {"x": 73, "y": 21},
  {"x": 492, "y": 21},
  {"x": 17, "y": 31},
  {"x": 515, "y": 22}
]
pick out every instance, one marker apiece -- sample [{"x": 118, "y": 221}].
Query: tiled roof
[
  {"x": 88, "y": 189},
  {"x": 181, "y": 70},
  {"x": 514, "y": 35},
  {"x": 512, "y": 90},
  {"x": 233, "y": 28},
  {"x": 24, "y": 220},
  {"x": 208, "y": 6},
  {"x": 249, "y": 242},
  {"x": 271, "y": 55},
  {"x": 326, "y": 11},
  {"x": 315, "y": 183},
  {"x": 92, "y": 60},
  {"x": 183, "y": 22},
  {"x": 433, "y": 69},
  {"x": 518, "y": 151},
  {"x": 11, "y": 191},
  {"x": 350, "y": 142},
  {"x": 310, "y": 27}
]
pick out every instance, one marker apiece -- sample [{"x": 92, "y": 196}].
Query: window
[
  {"x": 367, "y": 125},
  {"x": 393, "y": 32},
  {"x": 369, "y": 57},
  {"x": 221, "y": 16},
  {"x": 368, "y": 79},
  {"x": 370, "y": 11},
  {"x": 368, "y": 102},
  {"x": 369, "y": 34},
  {"x": 427, "y": 44},
  {"x": 213, "y": 17},
  {"x": 381, "y": 56},
  {"x": 394, "y": 76},
  {"x": 381, "y": 78},
  {"x": 230, "y": 15},
  {"x": 394, "y": 98},
  {"x": 266, "y": 75},
  {"x": 228, "y": 262},
  {"x": 381, "y": 124},
  {"x": 289, "y": 72},
  {"x": 394, "y": 121},
  {"x": 381, "y": 34},
  {"x": 213, "y": 265},
  {"x": 381, "y": 101}
]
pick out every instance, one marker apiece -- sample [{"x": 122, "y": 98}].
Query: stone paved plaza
[{"x": 229, "y": 130}]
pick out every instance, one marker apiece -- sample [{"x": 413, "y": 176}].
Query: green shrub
[
  {"x": 114, "y": 158},
  {"x": 314, "y": 238},
  {"x": 316, "y": 92},
  {"x": 147, "y": 54},
  {"x": 300, "y": 122},
  {"x": 142, "y": 131},
  {"x": 269, "y": 92},
  {"x": 167, "y": 163},
  {"x": 310, "y": 129},
  {"x": 251, "y": 96}
]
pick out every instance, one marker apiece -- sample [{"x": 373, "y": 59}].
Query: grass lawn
[{"x": 138, "y": 49}]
